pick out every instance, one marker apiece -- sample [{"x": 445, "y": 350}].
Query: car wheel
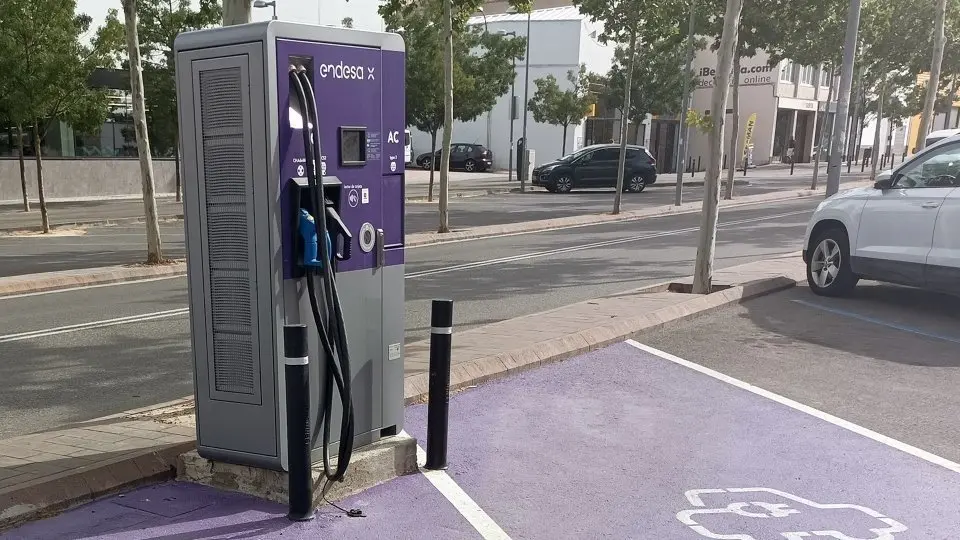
[
  {"x": 425, "y": 163},
  {"x": 470, "y": 165},
  {"x": 636, "y": 184},
  {"x": 828, "y": 268},
  {"x": 563, "y": 184}
]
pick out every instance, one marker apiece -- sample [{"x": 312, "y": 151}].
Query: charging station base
[{"x": 371, "y": 465}]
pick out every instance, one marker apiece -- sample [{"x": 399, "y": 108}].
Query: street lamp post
[
  {"x": 265, "y": 3},
  {"x": 682, "y": 143},
  {"x": 513, "y": 108},
  {"x": 526, "y": 100}
]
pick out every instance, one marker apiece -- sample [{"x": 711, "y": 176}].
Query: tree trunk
[
  {"x": 447, "y": 115},
  {"x": 823, "y": 130},
  {"x": 563, "y": 145},
  {"x": 875, "y": 152},
  {"x": 703, "y": 271},
  {"x": 151, "y": 220},
  {"x": 433, "y": 164},
  {"x": 237, "y": 12},
  {"x": 176, "y": 162},
  {"x": 933, "y": 85},
  {"x": 23, "y": 170},
  {"x": 734, "y": 127},
  {"x": 44, "y": 218},
  {"x": 624, "y": 123}
]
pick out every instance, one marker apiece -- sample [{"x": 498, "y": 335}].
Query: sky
[{"x": 331, "y": 12}]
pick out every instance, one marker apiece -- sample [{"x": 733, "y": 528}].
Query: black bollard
[
  {"x": 698, "y": 164},
  {"x": 792, "y": 165},
  {"x": 297, "y": 372},
  {"x": 438, "y": 407}
]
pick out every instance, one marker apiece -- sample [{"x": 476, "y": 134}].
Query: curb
[
  {"x": 52, "y": 495},
  {"x": 50, "y": 281},
  {"x": 426, "y": 239},
  {"x": 486, "y": 369}
]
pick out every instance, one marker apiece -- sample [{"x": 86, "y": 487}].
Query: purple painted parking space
[
  {"x": 612, "y": 444},
  {"x": 408, "y": 508},
  {"x": 618, "y": 443}
]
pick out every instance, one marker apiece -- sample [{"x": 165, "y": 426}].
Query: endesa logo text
[{"x": 346, "y": 71}]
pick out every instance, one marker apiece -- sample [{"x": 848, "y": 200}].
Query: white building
[{"x": 560, "y": 40}]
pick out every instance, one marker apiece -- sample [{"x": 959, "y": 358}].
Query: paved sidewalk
[
  {"x": 623, "y": 442},
  {"x": 70, "y": 464}
]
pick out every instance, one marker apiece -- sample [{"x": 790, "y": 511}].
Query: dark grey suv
[{"x": 596, "y": 167}]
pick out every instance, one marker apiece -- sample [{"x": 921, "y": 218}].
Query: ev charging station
[{"x": 293, "y": 168}]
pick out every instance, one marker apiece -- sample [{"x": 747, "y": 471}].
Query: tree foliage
[
  {"x": 657, "y": 85},
  {"x": 482, "y": 67},
  {"x": 551, "y": 105},
  {"x": 159, "y": 23},
  {"x": 46, "y": 71}
]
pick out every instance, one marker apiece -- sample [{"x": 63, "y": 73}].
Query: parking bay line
[
  {"x": 806, "y": 409},
  {"x": 413, "y": 275},
  {"x": 879, "y": 322},
  {"x": 467, "y": 507}
]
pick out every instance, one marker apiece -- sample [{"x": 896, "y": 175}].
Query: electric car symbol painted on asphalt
[
  {"x": 777, "y": 514},
  {"x": 353, "y": 198}
]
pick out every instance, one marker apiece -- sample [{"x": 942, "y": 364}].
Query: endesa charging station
[{"x": 293, "y": 168}]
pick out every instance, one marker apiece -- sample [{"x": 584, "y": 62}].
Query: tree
[
  {"x": 347, "y": 22},
  {"x": 632, "y": 22},
  {"x": 160, "y": 21},
  {"x": 46, "y": 71},
  {"x": 482, "y": 70},
  {"x": 556, "y": 107},
  {"x": 237, "y": 12},
  {"x": 939, "y": 42},
  {"x": 703, "y": 271},
  {"x": 657, "y": 84},
  {"x": 154, "y": 246}
]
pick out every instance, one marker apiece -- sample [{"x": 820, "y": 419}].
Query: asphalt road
[
  {"x": 54, "y": 375},
  {"x": 886, "y": 358},
  {"x": 125, "y": 244}
]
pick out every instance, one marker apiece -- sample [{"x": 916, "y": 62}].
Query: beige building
[{"x": 789, "y": 100}]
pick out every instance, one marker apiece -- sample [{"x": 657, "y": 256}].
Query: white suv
[{"x": 905, "y": 229}]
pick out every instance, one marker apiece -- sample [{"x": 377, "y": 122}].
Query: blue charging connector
[{"x": 308, "y": 231}]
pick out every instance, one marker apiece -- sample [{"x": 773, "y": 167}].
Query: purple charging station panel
[{"x": 356, "y": 88}]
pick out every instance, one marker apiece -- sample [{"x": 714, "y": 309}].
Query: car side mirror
[{"x": 883, "y": 183}]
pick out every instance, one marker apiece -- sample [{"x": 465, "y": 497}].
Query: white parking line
[
  {"x": 467, "y": 507},
  {"x": 878, "y": 322},
  {"x": 806, "y": 409}
]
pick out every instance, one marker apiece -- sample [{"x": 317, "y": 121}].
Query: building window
[
  {"x": 825, "y": 76},
  {"x": 786, "y": 72},
  {"x": 807, "y": 75}
]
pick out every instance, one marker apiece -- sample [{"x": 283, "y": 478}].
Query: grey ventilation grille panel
[{"x": 226, "y": 181}]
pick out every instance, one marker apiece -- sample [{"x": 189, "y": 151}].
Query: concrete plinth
[{"x": 371, "y": 465}]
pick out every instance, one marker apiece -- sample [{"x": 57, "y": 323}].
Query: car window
[
  {"x": 939, "y": 168},
  {"x": 606, "y": 154},
  {"x": 633, "y": 153}
]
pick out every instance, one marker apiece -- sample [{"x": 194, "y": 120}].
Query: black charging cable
[{"x": 333, "y": 335}]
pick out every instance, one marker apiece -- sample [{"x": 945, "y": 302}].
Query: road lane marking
[
  {"x": 94, "y": 324},
  {"x": 806, "y": 409},
  {"x": 467, "y": 507},
  {"x": 593, "y": 245},
  {"x": 85, "y": 287},
  {"x": 879, "y": 322}
]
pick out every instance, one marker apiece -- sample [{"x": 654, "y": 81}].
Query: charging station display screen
[{"x": 353, "y": 146}]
